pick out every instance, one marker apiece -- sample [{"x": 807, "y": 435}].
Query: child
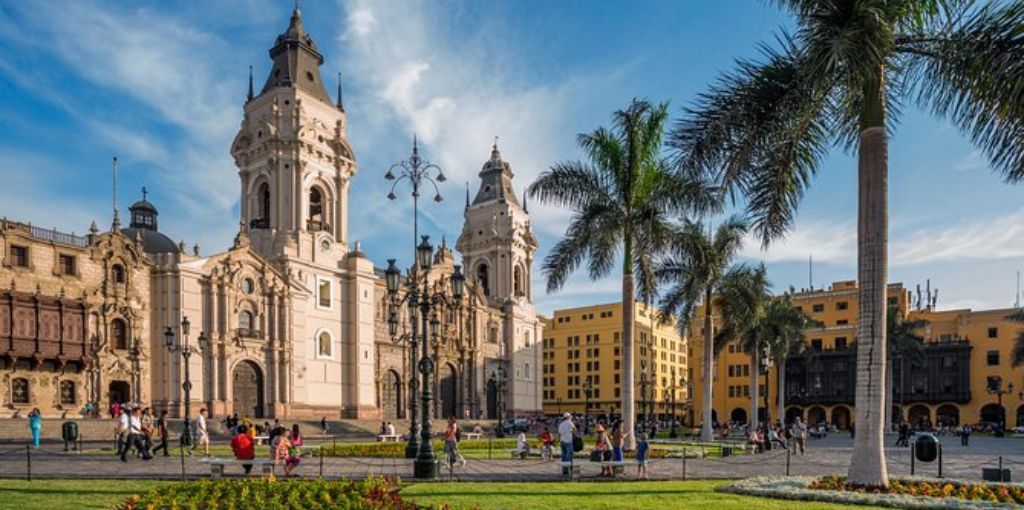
[{"x": 642, "y": 449}]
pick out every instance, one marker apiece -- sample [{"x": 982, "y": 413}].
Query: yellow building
[
  {"x": 965, "y": 352},
  {"x": 583, "y": 344}
]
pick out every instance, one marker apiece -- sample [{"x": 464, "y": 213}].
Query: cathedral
[{"x": 292, "y": 320}]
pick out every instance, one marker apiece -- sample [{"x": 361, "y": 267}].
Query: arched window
[
  {"x": 517, "y": 281},
  {"x": 67, "y": 392},
  {"x": 19, "y": 391},
  {"x": 324, "y": 345},
  {"x": 264, "y": 196},
  {"x": 119, "y": 334},
  {"x": 245, "y": 320},
  {"x": 317, "y": 218},
  {"x": 483, "y": 278},
  {"x": 117, "y": 273},
  {"x": 526, "y": 372}
]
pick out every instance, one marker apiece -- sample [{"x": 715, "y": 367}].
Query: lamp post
[
  {"x": 643, "y": 397},
  {"x": 997, "y": 389},
  {"x": 419, "y": 173},
  {"x": 588, "y": 387},
  {"x": 766, "y": 366},
  {"x": 186, "y": 350},
  {"x": 498, "y": 379},
  {"x": 420, "y": 298}
]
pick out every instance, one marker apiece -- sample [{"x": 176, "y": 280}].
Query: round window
[{"x": 248, "y": 286}]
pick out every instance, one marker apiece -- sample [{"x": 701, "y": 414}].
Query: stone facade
[{"x": 292, "y": 320}]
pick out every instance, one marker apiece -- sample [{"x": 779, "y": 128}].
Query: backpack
[{"x": 577, "y": 444}]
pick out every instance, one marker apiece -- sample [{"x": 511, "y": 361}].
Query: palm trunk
[
  {"x": 628, "y": 314},
  {"x": 780, "y": 392},
  {"x": 888, "y": 394},
  {"x": 755, "y": 377},
  {"x": 867, "y": 465},
  {"x": 706, "y": 432}
]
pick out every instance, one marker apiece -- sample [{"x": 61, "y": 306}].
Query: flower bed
[
  {"x": 271, "y": 494},
  {"x": 911, "y": 492}
]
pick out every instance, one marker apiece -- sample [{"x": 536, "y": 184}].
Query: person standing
[
  {"x": 618, "y": 440},
  {"x": 135, "y": 437},
  {"x": 566, "y": 434},
  {"x": 202, "y": 435},
  {"x": 451, "y": 443},
  {"x": 121, "y": 431},
  {"x": 161, "y": 432},
  {"x": 242, "y": 445},
  {"x": 603, "y": 450},
  {"x": 642, "y": 452},
  {"x": 35, "y": 426},
  {"x": 799, "y": 432},
  {"x": 323, "y": 426}
]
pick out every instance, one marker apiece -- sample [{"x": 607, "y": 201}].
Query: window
[
  {"x": 66, "y": 265},
  {"x": 323, "y": 292},
  {"x": 492, "y": 336},
  {"x": 248, "y": 286},
  {"x": 842, "y": 322},
  {"x": 316, "y": 210},
  {"x": 842, "y": 305},
  {"x": 19, "y": 391},
  {"x": 992, "y": 357},
  {"x": 993, "y": 332},
  {"x": 732, "y": 371},
  {"x": 732, "y": 391},
  {"x": 119, "y": 334},
  {"x": 117, "y": 273},
  {"x": 19, "y": 256},
  {"x": 840, "y": 343},
  {"x": 264, "y": 196},
  {"x": 818, "y": 308},
  {"x": 324, "y": 345},
  {"x": 67, "y": 392},
  {"x": 816, "y": 344},
  {"x": 245, "y": 320},
  {"x": 517, "y": 281},
  {"x": 483, "y": 279}
]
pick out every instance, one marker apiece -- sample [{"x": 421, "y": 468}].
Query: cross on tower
[{"x": 144, "y": 193}]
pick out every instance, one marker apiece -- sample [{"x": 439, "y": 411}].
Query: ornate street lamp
[
  {"x": 498, "y": 380},
  {"x": 643, "y": 397},
  {"x": 186, "y": 350},
  {"x": 588, "y": 387},
  {"x": 996, "y": 388}
]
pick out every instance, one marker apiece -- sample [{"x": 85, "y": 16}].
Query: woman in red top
[{"x": 243, "y": 447}]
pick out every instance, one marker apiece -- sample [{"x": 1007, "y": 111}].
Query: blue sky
[{"x": 161, "y": 84}]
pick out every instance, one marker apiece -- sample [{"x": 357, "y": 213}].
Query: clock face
[{"x": 325, "y": 245}]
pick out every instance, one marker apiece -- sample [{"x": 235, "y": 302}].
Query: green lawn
[
  {"x": 107, "y": 494},
  {"x": 697, "y": 494}
]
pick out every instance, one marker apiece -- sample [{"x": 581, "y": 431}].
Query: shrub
[
  {"x": 272, "y": 494},
  {"x": 933, "y": 488}
]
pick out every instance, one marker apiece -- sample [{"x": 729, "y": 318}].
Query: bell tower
[{"x": 293, "y": 157}]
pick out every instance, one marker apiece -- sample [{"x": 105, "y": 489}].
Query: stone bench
[{"x": 217, "y": 465}]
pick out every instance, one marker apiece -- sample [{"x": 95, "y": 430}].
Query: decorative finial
[
  {"x": 144, "y": 193},
  {"x": 250, "y": 96},
  {"x": 93, "y": 229},
  {"x": 415, "y": 144},
  {"x": 341, "y": 104},
  {"x": 116, "y": 223},
  {"x": 525, "y": 194},
  {"x": 467, "y": 194},
  {"x": 195, "y": 249}
]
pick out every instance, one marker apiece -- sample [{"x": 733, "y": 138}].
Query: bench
[
  {"x": 261, "y": 439},
  {"x": 618, "y": 466},
  {"x": 570, "y": 469},
  {"x": 471, "y": 435},
  {"x": 519, "y": 453},
  {"x": 266, "y": 466},
  {"x": 384, "y": 438}
]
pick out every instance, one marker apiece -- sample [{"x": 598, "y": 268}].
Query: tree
[
  {"x": 742, "y": 301},
  {"x": 783, "y": 332},
  {"x": 694, "y": 267},
  {"x": 622, "y": 198},
  {"x": 1017, "y": 355},
  {"x": 764, "y": 129},
  {"x": 904, "y": 344}
]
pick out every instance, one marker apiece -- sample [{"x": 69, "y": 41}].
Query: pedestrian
[
  {"x": 121, "y": 431},
  {"x": 135, "y": 436},
  {"x": 799, "y": 432},
  {"x": 602, "y": 450},
  {"x": 242, "y": 445},
  {"x": 161, "y": 432},
  {"x": 566, "y": 434},
  {"x": 965, "y": 435},
  {"x": 451, "y": 443},
  {"x": 295, "y": 437},
  {"x": 35, "y": 426},
  {"x": 642, "y": 452},
  {"x": 202, "y": 435},
  {"x": 284, "y": 451},
  {"x": 618, "y": 441}
]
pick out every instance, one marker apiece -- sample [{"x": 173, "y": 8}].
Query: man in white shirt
[
  {"x": 135, "y": 437},
  {"x": 566, "y": 433},
  {"x": 121, "y": 430},
  {"x": 202, "y": 437},
  {"x": 391, "y": 429}
]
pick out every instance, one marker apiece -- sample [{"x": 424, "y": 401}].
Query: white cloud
[
  {"x": 833, "y": 241},
  {"x": 981, "y": 239},
  {"x": 971, "y": 162}
]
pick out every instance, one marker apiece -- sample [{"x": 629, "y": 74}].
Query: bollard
[
  {"x": 490, "y": 446},
  {"x": 28, "y": 462},
  {"x": 181, "y": 450},
  {"x": 335, "y": 444},
  {"x": 684, "y": 463},
  {"x": 703, "y": 454},
  {"x": 940, "y": 460},
  {"x": 787, "y": 461},
  {"x": 321, "y": 463},
  {"x": 913, "y": 450}
]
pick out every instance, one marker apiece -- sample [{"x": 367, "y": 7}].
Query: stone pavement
[{"x": 824, "y": 456}]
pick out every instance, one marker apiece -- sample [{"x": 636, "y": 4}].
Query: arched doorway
[
  {"x": 816, "y": 415},
  {"x": 1020, "y": 416},
  {"x": 247, "y": 390},
  {"x": 449, "y": 390},
  {"x": 120, "y": 392},
  {"x": 947, "y": 415},
  {"x": 841, "y": 417},
  {"x": 897, "y": 414},
  {"x": 992, "y": 413},
  {"x": 391, "y": 395},
  {"x": 738, "y": 415},
  {"x": 919, "y": 416},
  {"x": 492, "y": 400},
  {"x": 714, "y": 417},
  {"x": 792, "y": 413}
]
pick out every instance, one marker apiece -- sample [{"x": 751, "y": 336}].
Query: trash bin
[
  {"x": 69, "y": 432},
  {"x": 926, "y": 448},
  {"x": 995, "y": 475},
  {"x": 726, "y": 451}
]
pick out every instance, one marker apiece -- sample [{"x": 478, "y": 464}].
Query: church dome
[{"x": 144, "y": 227}]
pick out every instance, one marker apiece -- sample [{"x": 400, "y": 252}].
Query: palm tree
[
  {"x": 783, "y": 332},
  {"x": 622, "y": 198},
  {"x": 742, "y": 301},
  {"x": 904, "y": 344},
  {"x": 694, "y": 267},
  {"x": 764, "y": 129},
  {"x": 1017, "y": 355}
]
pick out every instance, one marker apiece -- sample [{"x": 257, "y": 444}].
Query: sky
[{"x": 162, "y": 84}]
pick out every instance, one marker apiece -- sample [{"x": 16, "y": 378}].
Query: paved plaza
[{"x": 825, "y": 456}]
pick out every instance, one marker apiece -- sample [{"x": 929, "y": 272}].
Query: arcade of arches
[{"x": 918, "y": 415}]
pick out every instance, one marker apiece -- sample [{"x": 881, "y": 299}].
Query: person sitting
[
  {"x": 547, "y": 443},
  {"x": 242, "y": 445},
  {"x": 522, "y": 446},
  {"x": 477, "y": 429},
  {"x": 391, "y": 429},
  {"x": 754, "y": 439}
]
